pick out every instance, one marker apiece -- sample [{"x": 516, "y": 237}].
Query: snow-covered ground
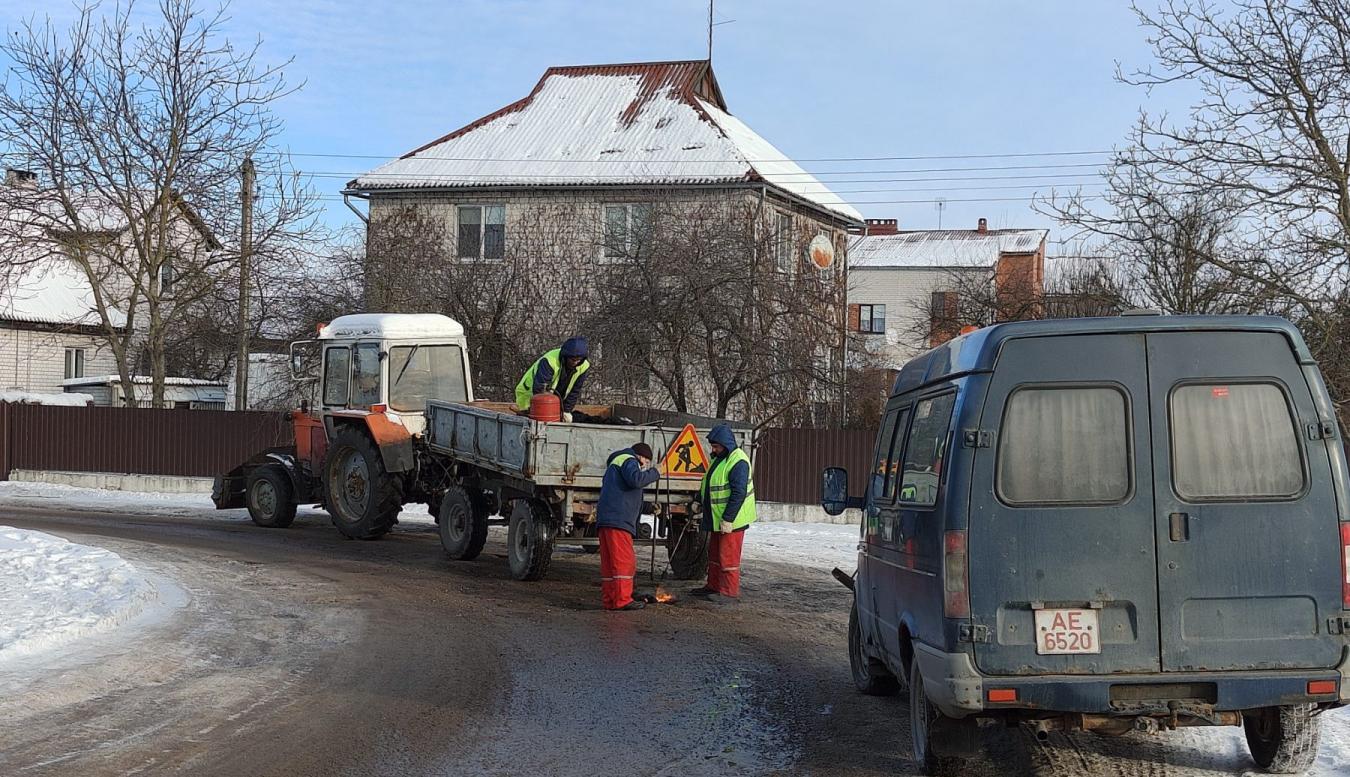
[{"x": 53, "y": 591}]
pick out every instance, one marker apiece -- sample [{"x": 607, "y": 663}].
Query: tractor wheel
[
  {"x": 463, "y": 524},
  {"x": 270, "y": 497},
  {"x": 362, "y": 497},
  {"x": 687, "y": 549},
  {"x": 530, "y": 539}
]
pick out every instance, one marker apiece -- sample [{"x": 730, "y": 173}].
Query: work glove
[
  {"x": 726, "y": 527},
  {"x": 567, "y": 418}
]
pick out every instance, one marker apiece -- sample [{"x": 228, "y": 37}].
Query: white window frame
[
  {"x": 628, "y": 222},
  {"x": 482, "y": 209},
  {"x": 76, "y": 359}
]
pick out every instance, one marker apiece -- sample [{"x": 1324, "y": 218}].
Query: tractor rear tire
[
  {"x": 363, "y": 498},
  {"x": 687, "y": 549},
  {"x": 463, "y": 524},
  {"x": 270, "y": 497},
  {"x": 529, "y": 540}
]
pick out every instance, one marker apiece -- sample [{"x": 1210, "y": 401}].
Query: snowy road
[{"x": 299, "y": 653}]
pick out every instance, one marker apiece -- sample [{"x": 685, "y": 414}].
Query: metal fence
[
  {"x": 788, "y": 462},
  {"x": 140, "y": 441}
]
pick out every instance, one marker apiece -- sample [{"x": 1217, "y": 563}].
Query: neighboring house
[
  {"x": 50, "y": 330},
  {"x": 583, "y": 157},
  {"x": 905, "y": 286},
  {"x": 179, "y": 393}
]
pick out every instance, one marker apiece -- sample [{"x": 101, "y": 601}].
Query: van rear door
[
  {"x": 1061, "y": 508},
  {"x": 1247, "y": 537}
]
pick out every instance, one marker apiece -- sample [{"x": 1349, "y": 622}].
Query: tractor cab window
[
  {"x": 421, "y": 372},
  {"x": 366, "y": 375},
  {"x": 337, "y": 368}
]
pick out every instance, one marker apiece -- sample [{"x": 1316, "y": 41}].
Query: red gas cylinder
[{"x": 546, "y": 407}]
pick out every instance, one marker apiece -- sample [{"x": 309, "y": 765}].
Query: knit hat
[{"x": 644, "y": 450}]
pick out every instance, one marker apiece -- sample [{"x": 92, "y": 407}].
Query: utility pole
[
  {"x": 710, "y": 29},
  {"x": 245, "y": 254}
]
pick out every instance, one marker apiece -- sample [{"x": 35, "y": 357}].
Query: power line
[{"x": 911, "y": 158}]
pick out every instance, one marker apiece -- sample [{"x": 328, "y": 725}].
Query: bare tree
[{"x": 136, "y": 134}]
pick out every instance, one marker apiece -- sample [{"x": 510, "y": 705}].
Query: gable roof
[
  {"x": 650, "y": 123},
  {"x": 55, "y": 293},
  {"x": 943, "y": 247}
]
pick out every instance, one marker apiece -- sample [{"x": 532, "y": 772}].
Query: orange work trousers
[
  {"x": 724, "y": 562},
  {"x": 618, "y": 565}
]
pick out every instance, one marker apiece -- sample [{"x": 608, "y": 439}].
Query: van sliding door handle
[{"x": 1179, "y": 527}]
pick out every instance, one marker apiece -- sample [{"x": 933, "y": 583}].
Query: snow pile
[
  {"x": 105, "y": 500},
  {"x": 820, "y": 546},
  {"x": 61, "y": 400},
  {"x": 53, "y": 591}
]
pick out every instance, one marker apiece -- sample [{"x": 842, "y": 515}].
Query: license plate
[{"x": 1067, "y": 632}]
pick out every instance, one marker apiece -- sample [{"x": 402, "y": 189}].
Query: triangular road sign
[{"x": 685, "y": 457}]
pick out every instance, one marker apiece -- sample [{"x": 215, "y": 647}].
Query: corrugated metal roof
[
  {"x": 52, "y": 292},
  {"x": 622, "y": 125},
  {"x": 943, "y": 247}
]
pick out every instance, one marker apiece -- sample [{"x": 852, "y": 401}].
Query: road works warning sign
[{"x": 685, "y": 458}]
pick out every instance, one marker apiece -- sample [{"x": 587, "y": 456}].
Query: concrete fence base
[
  {"x": 785, "y": 512},
  {"x": 113, "y": 481}
]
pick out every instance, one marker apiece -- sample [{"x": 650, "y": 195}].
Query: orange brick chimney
[{"x": 882, "y": 227}]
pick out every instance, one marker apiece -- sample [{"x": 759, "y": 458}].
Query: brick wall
[{"x": 36, "y": 361}]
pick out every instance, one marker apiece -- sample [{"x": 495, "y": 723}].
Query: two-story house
[{"x": 569, "y": 177}]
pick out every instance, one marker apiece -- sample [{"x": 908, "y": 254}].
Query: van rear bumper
[{"x": 957, "y": 688}]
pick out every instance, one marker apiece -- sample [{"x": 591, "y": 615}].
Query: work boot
[
  {"x": 645, "y": 598},
  {"x": 633, "y": 605},
  {"x": 703, "y": 592},
  {"x": 722, "y": 599}
]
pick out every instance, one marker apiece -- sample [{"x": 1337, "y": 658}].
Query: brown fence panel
[
  {"x": 788, "y": 462},
  {"x": 140, "y": 441}
]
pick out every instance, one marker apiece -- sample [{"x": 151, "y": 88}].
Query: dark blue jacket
[
  {"x": 621, "y": 493},
  {"x": 543, "y": 375},
  {"x": 738, "y": 478}
]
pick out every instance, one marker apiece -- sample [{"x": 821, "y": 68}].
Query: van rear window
[
  {"x": 1234, "y": 441},
  {"x": 1064, "y": 445}
]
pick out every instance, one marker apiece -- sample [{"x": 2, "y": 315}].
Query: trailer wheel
[
  {"x": 1283, "y": 740},
  {"x": 270, "y": 497},
  {"x": 529, "y": 539},
  {"x": 463, "y": 524},
  {"x": 362, "y": 497},
  {"x": 687, "y": 549}
]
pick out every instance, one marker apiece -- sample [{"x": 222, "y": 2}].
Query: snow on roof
[
  {"x": 392, "y": 326},
  {"x": 52, "y": 292},
  {"x": 140, "y": 380},
  {"x": 69, "y": 399},
  {"x": 647, "y": 123},
  {"x": 943, "y": 248}
]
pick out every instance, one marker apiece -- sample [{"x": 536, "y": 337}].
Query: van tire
[
  {"x": 463, "y": 524},
  {"x": 922, "y": 714},
  {"x": 870, "y": 675},
  {"x": 270, "y": 497},
  {"x": 361, "y": 496},
  {"x": 529, "y": 540},
  {"x": 1283, "y": 740}
]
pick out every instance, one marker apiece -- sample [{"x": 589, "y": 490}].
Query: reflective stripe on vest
[
  {"x": 620, "y": 459},
  {"x": 525, "y": 388},
  {"x": 717, "y": 485}
]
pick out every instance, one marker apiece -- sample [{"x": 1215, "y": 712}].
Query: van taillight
[
  {"x": 1345, "y": 565},
  {"x": 956, "y": 598}
]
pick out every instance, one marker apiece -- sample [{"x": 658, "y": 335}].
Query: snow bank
[
  {"x": 820, "y": 546},
  {"x": 53, "y": 591},
  {"x": 62, "y": 400}
]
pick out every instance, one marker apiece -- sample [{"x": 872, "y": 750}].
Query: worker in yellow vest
[
  {"x": 561, "y": 371},
  {"x": 728, "y": 500}
]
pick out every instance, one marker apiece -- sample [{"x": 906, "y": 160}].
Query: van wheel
[
  {"x": 270, "y": 497},
  {"x": 1283, "y": 740},
  {"x": 463, "y": 525},
  {"x": 870, "y": 675},
  {"x": 922, "y": 717}
]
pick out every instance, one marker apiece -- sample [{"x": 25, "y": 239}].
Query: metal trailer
[{"x": 546, "y": 478}]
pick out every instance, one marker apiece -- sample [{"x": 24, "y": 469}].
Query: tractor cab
[{"x": 389, "y": 363}]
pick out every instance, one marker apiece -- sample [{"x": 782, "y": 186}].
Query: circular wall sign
[{"x": 821, "y": 251}]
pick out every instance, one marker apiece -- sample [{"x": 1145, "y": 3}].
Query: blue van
[{"x": 1124, "y": 524}]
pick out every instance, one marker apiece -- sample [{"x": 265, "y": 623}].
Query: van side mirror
[{"x": 834, "y": 490}]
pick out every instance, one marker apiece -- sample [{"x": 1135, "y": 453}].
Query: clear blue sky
[{"x": 869, "y": 78}]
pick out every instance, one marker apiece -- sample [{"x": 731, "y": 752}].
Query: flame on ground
[{"x": 663, "y": 596}]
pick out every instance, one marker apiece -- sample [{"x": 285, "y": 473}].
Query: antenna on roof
[{"x": 941, "y": 204}]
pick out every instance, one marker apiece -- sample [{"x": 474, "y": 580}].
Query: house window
[
  {"x": 167, "y": 276},
  {"x": 482, "y": 232},
  {"x": 627, "y": 229},
  {"x": 785, "y": 243},
  {"x": 872, "y": 319},
  {"x": 74, "y": 363}
]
